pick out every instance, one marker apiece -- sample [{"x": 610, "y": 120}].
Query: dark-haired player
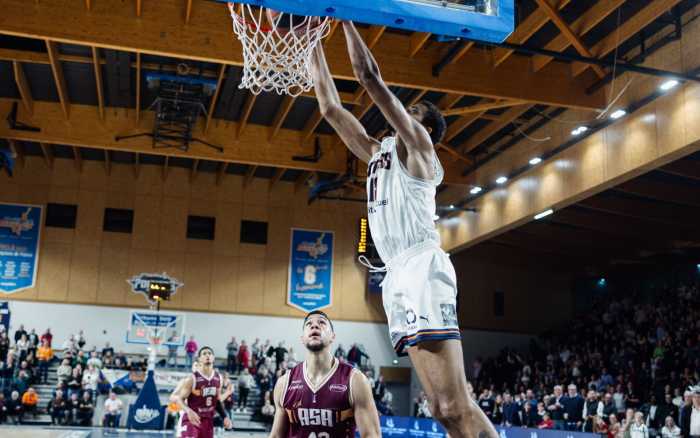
[
  {"x": 323, "y": 397},
  {"x": 420, "y": 288},
  {"x": 199, "y": 396}
]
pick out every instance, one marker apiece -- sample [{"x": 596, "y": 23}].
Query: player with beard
[
  {"x": 322, "y": 397},
  {"x": 198, "y": 396}
]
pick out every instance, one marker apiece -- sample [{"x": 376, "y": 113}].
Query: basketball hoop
[{"x": 277, "y": 48}]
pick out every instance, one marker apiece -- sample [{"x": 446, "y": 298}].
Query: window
[
  {"x": 118, "y": 220},
  {"x": 61, "y": 215},
  {"x": 499, "y": 303},
  {"x": 254, "y": 232},
  {"x": 201, "y": 227}
]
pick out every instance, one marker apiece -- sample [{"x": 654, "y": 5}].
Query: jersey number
[
  {"x": 372, "y": 195},
  {"x": 319, "y": 435}
]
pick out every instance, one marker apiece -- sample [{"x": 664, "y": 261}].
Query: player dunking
[
  {"x": 199, "y": 396},
  {"x": 420, "y": 288},
  {"x": 323, "y": 397}
]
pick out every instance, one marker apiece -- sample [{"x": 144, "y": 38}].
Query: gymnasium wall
[{"x": 86, "y": 265}]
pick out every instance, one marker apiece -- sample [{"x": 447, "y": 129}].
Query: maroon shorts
[{"x": 204, "y": 430}]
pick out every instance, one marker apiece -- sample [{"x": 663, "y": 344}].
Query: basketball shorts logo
[{"x": 449, "y": 314}]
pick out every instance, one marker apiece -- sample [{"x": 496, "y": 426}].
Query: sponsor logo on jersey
[
  {"x": 315, "y": 417},
  {"x": 449, "y": 314},
  {"x": 208, "y": 391},
  {"x": 295, "y": 386},
  {"x": 145, "y": 415},
  {"x": 338, "y": 388}
]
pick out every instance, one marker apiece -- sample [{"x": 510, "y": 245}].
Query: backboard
[
  {"x": 154, "y": 327},
  {"x": 482, "y": 20}
]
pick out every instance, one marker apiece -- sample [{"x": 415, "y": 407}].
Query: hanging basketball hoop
[{"x": 277, "y": 48}]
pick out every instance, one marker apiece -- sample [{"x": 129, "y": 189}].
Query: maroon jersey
[
  {"x": 323, "y": 413},
  {"x": 203, "y": 398}
]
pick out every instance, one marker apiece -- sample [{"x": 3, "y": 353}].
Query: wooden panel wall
[{"x": 87, "y": 265}]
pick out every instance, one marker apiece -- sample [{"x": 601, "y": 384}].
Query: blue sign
[
  {"x": 310, "y": 270},
  {"x": 374, "y": 282},
  {"x": 147, "y": 412},
  {"x": 5, "y": 315},
  {"x": 20, "y": 230},
  {"x": 428, "y": 428},
  {"x": 141, "y": 284}
]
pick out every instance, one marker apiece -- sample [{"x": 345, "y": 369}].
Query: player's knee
[{"x": 451, "y": 412}]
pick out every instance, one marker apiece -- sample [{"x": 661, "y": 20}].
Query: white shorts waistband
[{"x": 406, "y": 254}]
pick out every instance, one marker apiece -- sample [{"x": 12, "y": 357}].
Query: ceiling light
[
  {"x": 544, "y": 214},
  {"x": 580, "y": 130},
  {"x": 668, "y": 84},
  {"x": 617, "y": 114},
  {"x": 475, "y": 190},
  {"x": 535, "y": 161},
  {"x": 501, "y": 180},
  {"x": 452, "y": 207}
]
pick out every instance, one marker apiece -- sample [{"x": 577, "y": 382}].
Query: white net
[{"x": 277, "y": 48}]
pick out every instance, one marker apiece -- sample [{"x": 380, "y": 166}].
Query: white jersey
[{"x": 401, "y": 207}]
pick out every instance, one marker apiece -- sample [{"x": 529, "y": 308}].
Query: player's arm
[
  {"x": 366, "y": 416},
  {"x": 281, "y": 423},
  {"x": 220, "y": 409},
  {"x": 345, "y": 124},
  {"x": 182, "y": 391},
  {"x": 415, "y": 136}
]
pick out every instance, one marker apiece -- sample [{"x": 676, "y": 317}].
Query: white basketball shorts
[{"x": 420, "y": 297}]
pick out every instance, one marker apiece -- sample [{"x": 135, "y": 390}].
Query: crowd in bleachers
[{"x": 626, "y": 368}]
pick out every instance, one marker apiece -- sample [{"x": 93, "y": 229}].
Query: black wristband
[{"x": 220, "y": 409}]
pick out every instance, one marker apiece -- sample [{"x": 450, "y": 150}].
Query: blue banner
[
  {"x": 147, "y": 412},
  {"x": 374, "y": 282},
  {"x": 5, "y": 315},
  {"x": 20, "y": 230},
  {"x": 310, "y": 270},
  {"x": 428, "y": 428}
]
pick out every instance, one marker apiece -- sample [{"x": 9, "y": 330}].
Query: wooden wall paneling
[
  {"x": 196, "y": 293},
  {"x": 224, "y": 283},
  {"x": 114, "y": 270},
  {"x": 228, "y": 228},
  {"x": 147, "y": 220},
  {"x": 149, "y": 181},
  {"x": 275, "y": 285},
  {"x": 141, "y": 260},
  {"x": 84, "y": 274},
  {"x": 63, "y": 174},
  {"x": 173, "y": 264},
  {"x": 250, "y": 285},
  {"x": 278, "y": 238},
  {"x": 177, "y": 184},
  {"x": 173, "y": 224},
  {"x": 204, "y": 188},
  {"x": 55, "y": 267},
  {"x": 230, "y": 189},
  {"x": 91, "y": 206}
]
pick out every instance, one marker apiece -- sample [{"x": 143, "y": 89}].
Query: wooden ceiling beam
[
  {"x": 188, "y": 11},
  {"x": 524, "y": 30},
  {"x": 97, "y": 67},
  {"x": 137, "y": 165},
  {"x": 416, "y": 42},
  {"x": 164, "y": 173},
  {"x": 194, "y": 170},
  {"x": 627, "y": 30},
  {"x": 221, "y": 173},
  {"x": 277, "y": 177},
  {"x": 47, "y": 152},
  {"x": 78, "y": 159},
  {"x": 685, "y": 168},
  {"x": 138, "y": 88},
  {"x": 481, "y": 107},
  {"x": 214, "y": 98},
  {"x": 249, "y": 175},
  {"x": 637, "y": 208},
  {"x": 17, "y": 151},
  {"x": 25, "y": 93},
  {"x": 661, "y": 191},
  {"x": 564, "y": 28},
  {"x": 581, "y": 26},
  {"x": 492, "y": 128},
  {"x": 281, "y": 115},
  {"x": 245, "y": 114},
  {"x": 58, "y": 77},
  {"x": 208, "y": 39},
  {"x": 374, "y": 35},
  {"x": 459, "y": 125},
  {"x": 138, "y": 8},
  {"x": 88, "y": 4},
  {"x": 311, "y": 124},
  {"x": 108, "y": 162}
]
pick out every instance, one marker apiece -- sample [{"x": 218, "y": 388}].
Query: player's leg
[{"x": 440, "y": 368}]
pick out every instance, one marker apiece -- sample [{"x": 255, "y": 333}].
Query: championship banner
[
  {"x": 5, "y": 315},
  {"x": 147, "y": 412},
  {"x": 20, "y": 230},
  {"x": 310, "y": 281}
]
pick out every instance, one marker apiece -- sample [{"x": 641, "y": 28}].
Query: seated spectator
[
  {"x": 80, "y": 359},
  {"x": 613, "y": 426},
  {"x": 95, "y": 361},
  {"x": 113, "y": 411},
  {"x": 268, "y": 409},
  {"x": 22, "y": 378},
  {"x": 639, "y": 429},
  {"x": 86, "y": 410},
  {"x": 670, "y": 430},
  {"x": 58, "y": 408},
  {"x": 107, "y": 351},
  {"x": 72, "y": 409},
  {"x": 15, "y": 412},
  {"x": 75, "y": 383},
  {"x": 30, "y": 400},
  {"x": 22, "y": 347},
  {"x": 91, "y": 378},
  {"x": 44, "y": 356},
  {"x": 546, "y": 423}
]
